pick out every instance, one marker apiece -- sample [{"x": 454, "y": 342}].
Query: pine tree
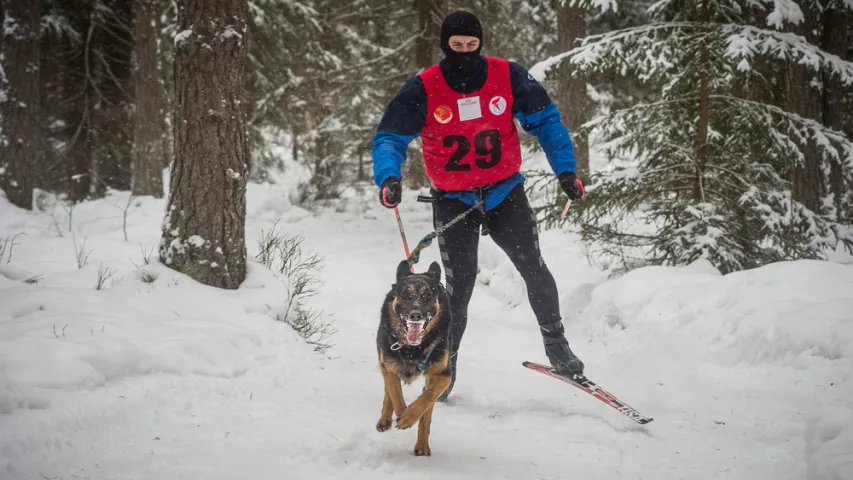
[
  {"x": 602, "y": 90},
  {"x": 288, "y": 57},
  {"x": 704, "y": 171}
]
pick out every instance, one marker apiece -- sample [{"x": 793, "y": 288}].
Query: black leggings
[{"x": 512, "y": 227}]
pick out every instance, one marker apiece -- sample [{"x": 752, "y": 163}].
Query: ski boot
[{"x": 564, "y": 361}]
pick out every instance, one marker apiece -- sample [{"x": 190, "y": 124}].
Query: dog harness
[{"x": 422, "y": 365}]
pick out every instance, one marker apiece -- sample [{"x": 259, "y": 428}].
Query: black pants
[{"x": 512, "y": 227}]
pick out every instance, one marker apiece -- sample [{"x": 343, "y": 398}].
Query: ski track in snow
[{"x": 184, "y": 382}]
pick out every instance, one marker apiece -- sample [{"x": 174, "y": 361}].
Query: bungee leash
[{"x": 427, "y": 240}]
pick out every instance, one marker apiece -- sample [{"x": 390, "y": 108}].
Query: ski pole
[
  {"x": 403, "y": 235},
  {"x": 566, "y": 209}
]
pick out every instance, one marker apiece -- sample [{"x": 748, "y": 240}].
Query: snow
[
  {"x": 784, "y": 11},
  {"x": 229, "y": 33},
  {"x": 745, "y": 42},
  {"x": 183, "y": 36},
  {"x": 541, "y": 69},
  {"x": 196, "y": 241},
  {"x": 232, "y": 174},
  {"x": 829, "y": 436},
  {"x": 748, "y": 375}
]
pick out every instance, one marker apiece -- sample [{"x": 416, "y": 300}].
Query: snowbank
[
  {"x": 784, "y": 313},
  {"x": 153, "y": 320},
  {"x": 60, "y": 331}
]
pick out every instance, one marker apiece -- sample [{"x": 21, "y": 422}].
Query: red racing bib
[{"x": 470, "y": 140}]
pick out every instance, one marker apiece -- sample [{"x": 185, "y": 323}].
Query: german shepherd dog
[{"x": 414, "y": 340}]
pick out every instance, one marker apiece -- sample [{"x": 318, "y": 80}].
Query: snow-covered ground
[{"x": 748, "y": 375}]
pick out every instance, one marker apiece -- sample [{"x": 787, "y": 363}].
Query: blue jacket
[{"x": 405, "y": 116}]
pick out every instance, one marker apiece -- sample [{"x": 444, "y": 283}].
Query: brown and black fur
[{"x": 414, "y": 292}]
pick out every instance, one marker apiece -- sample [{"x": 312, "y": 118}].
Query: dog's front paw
[
  {"x": 383, "y": 425},
  {"x": 422, "y": 450},
  {"x": 410, "y": 416}
]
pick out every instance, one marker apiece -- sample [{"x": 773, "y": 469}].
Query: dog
[{"x": 413, "y": 340}]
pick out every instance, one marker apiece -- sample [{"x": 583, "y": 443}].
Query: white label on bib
[{"x": 469, "y": 108}]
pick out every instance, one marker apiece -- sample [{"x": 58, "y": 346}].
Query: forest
[{"x": 723, "y": 127}]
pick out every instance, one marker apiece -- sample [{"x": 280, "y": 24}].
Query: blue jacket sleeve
[
  {"x": 400, "y": 124},
  {"x": 539, "y": 117}
]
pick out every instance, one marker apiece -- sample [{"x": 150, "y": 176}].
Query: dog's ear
[
  {"x": 434, "y": 271},
  {"x": 403, "y": 270}
]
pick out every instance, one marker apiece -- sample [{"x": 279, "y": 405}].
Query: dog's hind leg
[{"x": 422, "y": 445}]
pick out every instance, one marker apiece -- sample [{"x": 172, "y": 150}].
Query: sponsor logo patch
[
  {"x": 497, "y": 105},
  {"x": 443, "y": 114}
]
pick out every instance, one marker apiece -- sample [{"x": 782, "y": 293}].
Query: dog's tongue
[{"x": 414, "y": 333}]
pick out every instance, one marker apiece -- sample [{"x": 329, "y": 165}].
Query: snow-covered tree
[
  {"x": 289, "y": 55},
  {"x": 705, "y": 170}
]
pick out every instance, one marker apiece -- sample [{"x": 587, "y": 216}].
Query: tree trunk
[
  {"x": 429, "y": 24},
  {"x": 20, "y": 112},
  {"x": 77, "y": 128},
  {"x": 112, "y": 68},
  {"x": 836, "y": 105},
  {"x": 150, "y": 120},
  {"x": 575, "y": 105},
  {"x": 804, "y": 99},
  {"x": 362, "y": 150},
  {"x": 78, "y": 150},
  {"x": 204, "y": 232},
  {"x": 701, "y": 142}
]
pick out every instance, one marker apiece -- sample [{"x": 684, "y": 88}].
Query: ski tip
[{"x": 645, "y": 421}]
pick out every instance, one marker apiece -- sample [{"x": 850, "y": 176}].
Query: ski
[{"x": 596, "y": 391}]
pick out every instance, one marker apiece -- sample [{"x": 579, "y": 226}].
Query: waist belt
[{"x": 437, "y": 194}]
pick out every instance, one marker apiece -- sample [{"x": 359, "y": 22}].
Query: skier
[{"x": 463, "y": 108}]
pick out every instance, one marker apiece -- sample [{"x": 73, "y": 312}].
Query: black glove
[
  {"x": 571, "y": 185},
  {"x": 391, "y": 192}
]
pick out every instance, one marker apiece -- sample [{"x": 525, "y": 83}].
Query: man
[{"x": 463, "y": 109}]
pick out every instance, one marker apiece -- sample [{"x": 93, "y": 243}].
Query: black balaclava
[{"x": 461, "y": 23}]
